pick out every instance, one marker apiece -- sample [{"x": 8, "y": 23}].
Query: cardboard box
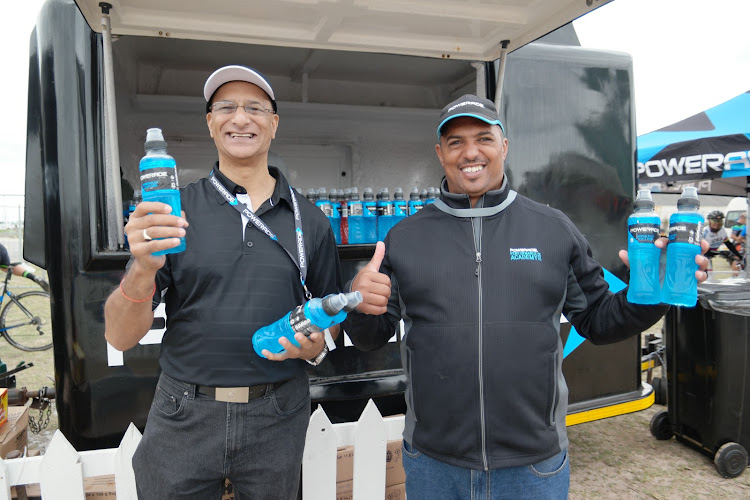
[
  {"x": 394, "y": 492},
  {"x": 13, "y": 435},
  {"x": 394, "y": 466},
  {"x": 95, "y": 487}
]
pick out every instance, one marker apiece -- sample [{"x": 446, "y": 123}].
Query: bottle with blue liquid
[
  {"x": 385, "y": 213},
  {"x": 685, "y": 228},
  {"x": 324, "y": 204},
  {"x": 158, "y": 173},
  {"x": 315, "y": 315},
  {"x": 369, "y": 217},
  {"x": 643, "y": 231},
  {"x": 355, "y": 217},
  {"x": 431, "y": 195},
  {"x": 400, "y": 210},
  {"x": 415, "y": 204}
]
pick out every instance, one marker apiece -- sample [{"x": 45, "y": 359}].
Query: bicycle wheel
[{"x": 25, "y": 321}]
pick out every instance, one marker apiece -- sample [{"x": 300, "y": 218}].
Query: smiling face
[
  {"x": 242, "y": 138},
  {"x": 472, "y": 153}
]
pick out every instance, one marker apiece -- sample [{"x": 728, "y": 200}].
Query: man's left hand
[
  {"x": 309, "y": 347},
  {"x": 701, "y": 275}
]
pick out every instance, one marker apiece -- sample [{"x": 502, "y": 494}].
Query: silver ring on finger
[{"x": 146, "y": 237}]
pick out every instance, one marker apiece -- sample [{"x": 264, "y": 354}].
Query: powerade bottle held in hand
[
  {"x": 415, "y": 204},
  {"x": 369, "y": 217},
  {"x": 159, "y": 179},
  {"x": 685, "y": 227},
  {"x": 356, "y": 223},
  {"x": 643, "y": 231},
  {"x": 314, "y": 316},
  {"x": 399, "y": 206},
  {"x": 385, "y": 213}
]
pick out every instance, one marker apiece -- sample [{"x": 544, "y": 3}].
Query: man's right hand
[
  {"x": 374, "y": 286},
  {"x": 154, "y": 220}
]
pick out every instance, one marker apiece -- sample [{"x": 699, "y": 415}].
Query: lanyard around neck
[{"x": 301, "y": 260}]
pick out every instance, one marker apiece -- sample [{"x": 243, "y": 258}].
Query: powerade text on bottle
[
  {"x": 385, "y": 213},
  {"x": 643, "y": 231},
  {"x": 415, "y": 204},
  {"x": 356, "y": 223},
  {"x": 399, "y": 206},
  {"x": 369, "y": 217},
  {"x": 685, "y": 227},
  {"x": 159, "y": 179}
]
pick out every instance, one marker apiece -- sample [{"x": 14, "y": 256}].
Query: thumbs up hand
[{"x": 374, "y": 286}]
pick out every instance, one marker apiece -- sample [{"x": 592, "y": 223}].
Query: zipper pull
[{"x": 479, "y": 262}]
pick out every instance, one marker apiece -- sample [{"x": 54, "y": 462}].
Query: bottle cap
[
  {"x": 155, "y": 139},
  {"x": 353, "y": 299},
  {"x": 643, "y": 199},
  {"x": 334, "y": 303},
  {"x": 398, "y": 194},
  {"x": 689, "y": 199}
]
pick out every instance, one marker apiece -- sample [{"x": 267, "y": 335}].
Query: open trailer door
[{"x": 349, "y": 77}]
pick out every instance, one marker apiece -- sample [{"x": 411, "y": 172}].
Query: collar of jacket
[{"x": 489, "y": 199}]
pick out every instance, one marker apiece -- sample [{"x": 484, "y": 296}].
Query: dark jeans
[
  {"x": 428, "y": 479},
  {"x": 192, "y": 443}
]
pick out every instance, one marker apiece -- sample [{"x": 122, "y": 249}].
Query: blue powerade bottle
[
  {"x": 159, "y": 179},
  {"x": 356, "y": 229},
  {"x": 369, "y": 217},
  {"x": 314, "y": 316},
  {"x": 685, "y": 227},
  {"x": 385, "y": 213},
  {"x": 324, "y": 203},
  {"x": 643, "y": 231},
  {"x": 415, "y": 204},
  {"x": 399, "y": 206}
]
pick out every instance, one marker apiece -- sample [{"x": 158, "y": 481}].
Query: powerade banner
[{"x": 712, "y": 144}]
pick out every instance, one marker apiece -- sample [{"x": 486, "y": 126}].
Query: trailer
[{"x": 359, "y": 87}]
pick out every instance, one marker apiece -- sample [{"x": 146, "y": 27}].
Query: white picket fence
[{"x": 61, "y": 470}]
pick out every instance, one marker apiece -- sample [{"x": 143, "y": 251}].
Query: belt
[{"x": 236, "y": 394}]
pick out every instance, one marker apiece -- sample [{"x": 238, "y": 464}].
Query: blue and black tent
[{"x": 711, "y": 145}]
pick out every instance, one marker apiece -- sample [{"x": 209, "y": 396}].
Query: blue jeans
[
  {"x": 193, "y": 442},
  {"x": 428, "y": 479}
]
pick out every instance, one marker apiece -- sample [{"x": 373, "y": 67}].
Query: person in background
[
  {"x": 716, "y": 236},
  {"x": 481, "y": 299},
  {"x": 21, "y": 269},
  {"x": 738, "y": 238},
  {"x": 255, "y": 249}
]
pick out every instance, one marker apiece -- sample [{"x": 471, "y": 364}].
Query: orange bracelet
[{"x": 133, "y": 300}]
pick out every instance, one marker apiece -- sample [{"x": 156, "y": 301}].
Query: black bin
[{"x": 708, "y": 376}]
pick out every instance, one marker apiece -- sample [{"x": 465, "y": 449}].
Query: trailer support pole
[
  {"x": 115, "y": 234},
  {"x": 501, "y": 73}
]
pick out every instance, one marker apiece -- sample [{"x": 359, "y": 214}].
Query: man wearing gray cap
[
  {"x": 255, "y": 249},
  {"x": 481, "y": 299}
]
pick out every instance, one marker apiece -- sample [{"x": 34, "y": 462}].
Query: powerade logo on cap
[
  {"x": 525, "y": 254},
  {"x": 466, "y": 103}
]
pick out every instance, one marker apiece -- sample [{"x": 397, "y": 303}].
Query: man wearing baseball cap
[
  {"x": 481, "y": 298},
  {"x": 255, "y": 249}
]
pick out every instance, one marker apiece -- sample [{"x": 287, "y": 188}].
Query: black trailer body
[{"x": 348, "y": 118}]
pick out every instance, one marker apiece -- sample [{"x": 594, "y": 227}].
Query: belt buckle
[{"x": 233, "y": 394}]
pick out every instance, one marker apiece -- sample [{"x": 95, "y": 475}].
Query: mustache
[{"x": 468, "y": 161}]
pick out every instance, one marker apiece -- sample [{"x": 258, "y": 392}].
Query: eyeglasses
[{"x": 230, "y": 108}]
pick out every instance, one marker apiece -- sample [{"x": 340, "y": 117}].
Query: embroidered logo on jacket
[{"x": 525, "y": 254}]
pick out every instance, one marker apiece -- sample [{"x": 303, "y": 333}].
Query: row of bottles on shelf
[{"x": 367, "y": 220}]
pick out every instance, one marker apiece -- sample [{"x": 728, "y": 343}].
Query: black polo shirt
[{"x": 222, "y": 288}]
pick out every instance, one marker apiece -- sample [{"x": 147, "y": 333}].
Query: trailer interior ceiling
[{"x": 457, "y": 29}]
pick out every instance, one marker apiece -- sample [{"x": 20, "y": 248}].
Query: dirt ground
[{"x": 611, "y": 458}]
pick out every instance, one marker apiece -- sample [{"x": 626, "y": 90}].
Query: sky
[{"x": 688, "y": 55}]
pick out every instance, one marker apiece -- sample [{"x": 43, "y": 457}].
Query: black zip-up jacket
[{"x": 481, "y": 297}]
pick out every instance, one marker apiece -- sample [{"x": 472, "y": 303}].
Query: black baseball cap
[{"x": 470, "y": 105}]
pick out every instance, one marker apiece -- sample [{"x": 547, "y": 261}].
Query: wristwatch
[{"x": 319, "y": 358}]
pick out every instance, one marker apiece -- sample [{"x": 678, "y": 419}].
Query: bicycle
[{"x": 20, "y": 322}]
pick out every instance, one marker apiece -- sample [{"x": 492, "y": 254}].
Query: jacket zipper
[{"x": 478, "y": 274}]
